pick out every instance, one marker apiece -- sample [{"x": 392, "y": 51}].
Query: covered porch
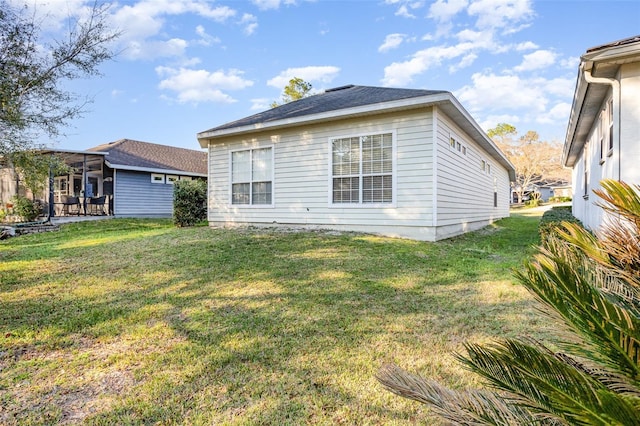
[{"x": 87, "y": 190}]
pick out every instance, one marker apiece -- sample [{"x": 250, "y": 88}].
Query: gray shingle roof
[
  {"x": 331, "y": 100},
  {"x": 131, "y": 153}
]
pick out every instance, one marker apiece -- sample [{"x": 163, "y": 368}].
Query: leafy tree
[
  {"x": 535, "y": 161},
  {"x": 34, "y": 168},
  {"x": 590, "y": 285},
  {"x": 34, "y": 69},
  {"x": 296, "y": 89}
]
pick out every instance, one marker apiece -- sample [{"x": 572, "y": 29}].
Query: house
[
  {"x": 603, "y": 135},
  {"x": 398, "y": 162},
  {"x": 131, "y": 178}
]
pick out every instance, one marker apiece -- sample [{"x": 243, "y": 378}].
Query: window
[
  {"x": 186, "y": 178},
  {"x": 157, "y": 178},
  {"x": 601, "y": 140},
  {"x": 252, "y": 177},
  {"x": 483, "y": 165},
  {"x": 610, "y": 106},
  {"x": 456, "y": 145},
  {"x": 172, "y": 178},
  {"x": 362, "y": 169}
]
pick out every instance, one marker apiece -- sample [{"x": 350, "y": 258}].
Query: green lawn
[{"x": 138, "y": 322}]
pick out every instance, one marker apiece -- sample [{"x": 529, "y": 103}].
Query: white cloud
[
  {"x": 491, "y": 92},
  {"x": 271, "y": 4},
  {"x": 492, "y": 99},
  {"x": 145, "y": 20},
  {"x": 404, "y": 12},
  {"x": 570, "y": 63},
  {"x": 402, "y": 73},
  {"x": 250, "y": 22},
  {"x": 537, "y": 60},
  {"x": 443, "y": 10},
  {"x": 527, "y": 45},
  {"x": 466, "y": 61},
  {"x": 205, "y": 38},
  {"x": 260, "y": 104},
  {"x": 322, "y": 74},
  {"x": 391, "y": 41},
  {"x": 501, "y": 13},
  {"x": 557, "y": 114},
  {"x": 155, "y": 48},
  {"x": 195, "y": 86}
]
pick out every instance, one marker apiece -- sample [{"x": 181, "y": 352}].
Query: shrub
[
  {"x": 553, "y": 218},
  {"x": 25, "y": 208},
  {"x": 189, "y": 202}
]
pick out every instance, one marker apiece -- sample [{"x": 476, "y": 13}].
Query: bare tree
[
  {"x": 33, "y": 69},
  {"x": 535, "y": 161}
]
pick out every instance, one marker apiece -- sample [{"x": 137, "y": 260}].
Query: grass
[{"x": 137, "y": 322}]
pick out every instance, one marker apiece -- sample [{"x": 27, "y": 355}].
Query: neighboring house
[
  {"x": 603, "y": 136},
  {"x": 399, "y": 162},
  {"x": 135, "y": 179}
]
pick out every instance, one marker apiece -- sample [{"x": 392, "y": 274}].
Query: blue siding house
[{"x": 132, "y": 178}]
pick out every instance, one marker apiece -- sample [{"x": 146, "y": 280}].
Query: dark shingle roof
[
  {"x": 130, "y": 153},
  {"x": 331, "y": 100}
]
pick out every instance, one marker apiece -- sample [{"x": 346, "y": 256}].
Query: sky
[{"x": 185, "y": 66}]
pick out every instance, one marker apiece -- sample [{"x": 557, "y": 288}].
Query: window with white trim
[
  {"x": 362, "y": 169},
  {"x": 157, "y": 178},
  {"x": 610, "y": 107},
  {"x": 172, "y": 178},
  {"x": 252, "y": 176}
]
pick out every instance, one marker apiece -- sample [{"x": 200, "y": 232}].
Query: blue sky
[{"x": 188, "y": 65}]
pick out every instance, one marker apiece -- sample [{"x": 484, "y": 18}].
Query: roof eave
[
  {"x": 153, "y": 170},
  {"x": 615, "y": 55}
]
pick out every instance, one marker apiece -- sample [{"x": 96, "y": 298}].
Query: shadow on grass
[{"x": 266, "y": 326}]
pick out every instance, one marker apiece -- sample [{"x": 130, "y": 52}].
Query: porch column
[{"x": 52, "y": 211}]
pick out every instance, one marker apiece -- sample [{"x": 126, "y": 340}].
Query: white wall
[
  {"x": 301, "y": 181},
  {"x": 621, "y": 163},
  {"x": 465, "y": 191}
]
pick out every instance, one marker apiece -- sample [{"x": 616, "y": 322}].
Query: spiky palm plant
[{"x": 591, "y": 284}]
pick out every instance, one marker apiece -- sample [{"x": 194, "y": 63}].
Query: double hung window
[
  {"x": 252, "y": 176},
  {"x": 362, "y": 169}
]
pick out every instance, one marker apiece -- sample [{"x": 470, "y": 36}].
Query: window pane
[
  {"x": 240, "y": 171},
  {"x": 261, "y": 192},
  {"x": 345, "y": 156},
  {"x": 346, "y": 190},
  {"x": 240, "y": 193},
  {"x": 377, "y": 189},
  {"x": 261, "y": 164}
]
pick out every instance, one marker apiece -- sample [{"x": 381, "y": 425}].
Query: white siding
[
  {"x": 621, "y": 162},
  {"x": 301, "y": 178},
  {"x": 465, "y": 194}
]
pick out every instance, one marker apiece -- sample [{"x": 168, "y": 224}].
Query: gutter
[{"x": 615, "y": 87}]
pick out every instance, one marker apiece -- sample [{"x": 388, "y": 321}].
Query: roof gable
[{"x": 131, "y": 154}]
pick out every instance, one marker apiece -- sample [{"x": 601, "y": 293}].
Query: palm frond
[
  {"x": 556, "y": 277},
  {"x": 464, "y": 407},
  {"x": 543, "y": 382}
]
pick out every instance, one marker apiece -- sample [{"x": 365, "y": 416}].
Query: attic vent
[{"x": 335, "y": 89}]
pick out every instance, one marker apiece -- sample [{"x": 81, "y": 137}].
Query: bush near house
[
  {"x": 553, "y": 218},
  {"x": 26, "y": 209},
  {"x": 189, "y": 202}
]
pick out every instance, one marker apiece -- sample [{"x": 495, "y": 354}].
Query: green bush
[
  {"x": 189, "y": 202},
  {"x": 559, "y": 199},
  {"x": 552, "y": 219},
  {"x": 25, "y": 208}
]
